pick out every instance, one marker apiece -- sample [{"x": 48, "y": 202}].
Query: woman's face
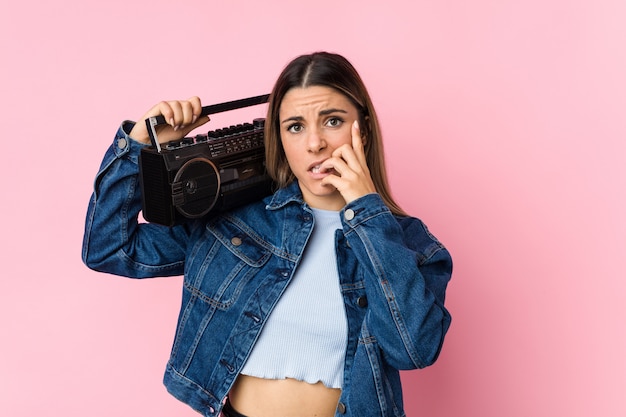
[{"x": 314, "y": 121}]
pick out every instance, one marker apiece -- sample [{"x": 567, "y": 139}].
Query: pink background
[{"x": 505, "y": 132}]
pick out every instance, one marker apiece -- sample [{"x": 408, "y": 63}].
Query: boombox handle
[{"x": 153, "y": 122}]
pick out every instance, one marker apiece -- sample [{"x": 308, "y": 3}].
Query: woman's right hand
[{"x": 182, "y": 116}]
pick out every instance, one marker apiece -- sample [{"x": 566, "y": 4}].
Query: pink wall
[{"x": 505, "y": 129}]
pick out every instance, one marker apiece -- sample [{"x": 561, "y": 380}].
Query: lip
[
  {"x": 315, "y": 164},
  {"x": 319, "y": 174}
]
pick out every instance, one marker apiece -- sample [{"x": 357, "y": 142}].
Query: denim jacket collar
[{"x": 288, "y": 194}]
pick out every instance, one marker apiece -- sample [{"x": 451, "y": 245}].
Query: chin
[{"x": 324, "y": 190}]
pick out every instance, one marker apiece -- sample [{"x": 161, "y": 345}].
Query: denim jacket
[{"x": 393, "y": 275}]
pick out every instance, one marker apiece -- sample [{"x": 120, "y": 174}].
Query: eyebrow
[{"x": 321, "y": 113}]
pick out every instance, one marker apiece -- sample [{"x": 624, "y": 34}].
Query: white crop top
[{"x": 306, "y": 335}]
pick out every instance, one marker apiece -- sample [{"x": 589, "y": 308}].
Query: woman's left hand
[{"x": 353, "y": 179}]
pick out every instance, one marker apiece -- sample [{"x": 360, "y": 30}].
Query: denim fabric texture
[{"x": 393, "y": 275}]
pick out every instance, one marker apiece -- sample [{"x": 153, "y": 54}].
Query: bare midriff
[{"x": 258, "y": 397}]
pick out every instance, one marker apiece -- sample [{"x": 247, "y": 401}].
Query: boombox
[{"x": 199, "y": 176}]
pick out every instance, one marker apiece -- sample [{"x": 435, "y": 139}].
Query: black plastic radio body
[{"x": 200, "y": 176}]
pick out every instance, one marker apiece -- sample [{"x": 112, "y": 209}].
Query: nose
[{"x": 315, "y": 141}]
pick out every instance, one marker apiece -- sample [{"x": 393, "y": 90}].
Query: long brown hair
[{"x": 334, "y": 71}]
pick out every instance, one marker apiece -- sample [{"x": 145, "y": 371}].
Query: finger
[
  {"x": 190, "y": 109},
  {"x": 347, "y": 183},
  {"x": 335, "y": 163},
  {"x": 357, "y": 143},
  {"x": 345, "y": 158},
  {"x": 180, "y": 116},
  {"x": 353, "y": 154},
  {"x": 177, "y": 114},
  {"x": 351, "y": 185},
  {"x": 196, "y": 106},
  {"x": 167, "y": 110},
  {"x": 187, "y": 114}
]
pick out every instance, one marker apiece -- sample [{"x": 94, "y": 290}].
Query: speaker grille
[{"x": 196, "y": 187}]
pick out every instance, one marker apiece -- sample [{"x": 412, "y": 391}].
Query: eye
[
  {"x": 294, "y": 128},
  {"x": 334, "y": 122}
]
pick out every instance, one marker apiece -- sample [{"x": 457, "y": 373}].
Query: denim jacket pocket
[
  {"x": 240, "y": 258},
  {"x": 242, "y": 242}
]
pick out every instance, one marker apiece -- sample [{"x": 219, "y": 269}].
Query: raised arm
[{"x": 114, "y": 241}]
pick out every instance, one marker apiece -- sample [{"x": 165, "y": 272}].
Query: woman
[{"x": 307, "y": 303}]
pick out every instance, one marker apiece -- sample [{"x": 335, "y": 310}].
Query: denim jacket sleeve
[
  {"x": 114, "y": 240},
  {"x": 407, "y": 272}
]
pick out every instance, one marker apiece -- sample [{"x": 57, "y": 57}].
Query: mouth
[
  {"x": 316, "y": 165},
  {"x": 316, "y": 168},
  {"x": 318, "y": 171}
]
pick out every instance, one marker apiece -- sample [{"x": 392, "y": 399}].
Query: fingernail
[
  {"x": 172, "y": 122},
  {"x": 193, "y": 119}
]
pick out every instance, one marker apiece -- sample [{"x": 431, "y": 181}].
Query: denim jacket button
[
  {"x": 341, "y": 407},
  {"x": 349, "y": 214},
  {"x": 362, "y": 301},
  {"x": 121, "y": 143},
  {"x": 236, "y": 241}
]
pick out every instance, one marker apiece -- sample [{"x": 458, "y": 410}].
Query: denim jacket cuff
[
  {"x": 124, "y": 144},
  {"x": 123, "y": 147},
  {"x": 363, "y": 208}
]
